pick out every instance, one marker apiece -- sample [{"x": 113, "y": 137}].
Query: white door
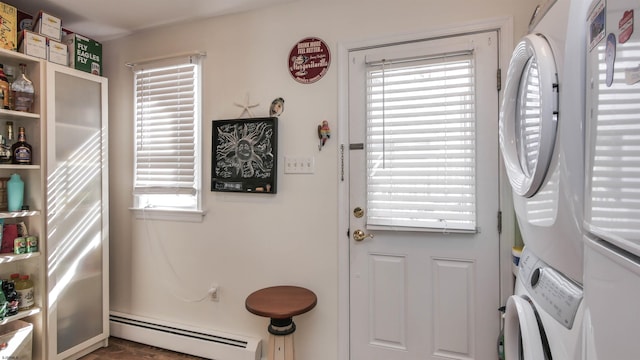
[
  {"x": 77, "y": 212},
  {"x": 423, "y": 188}
]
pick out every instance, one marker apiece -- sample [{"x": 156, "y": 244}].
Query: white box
[
  {"x": 48, "y": 25},
  {"x": 33, "y": 44},
  {"x": 18, "y": 337},
  {"x": 57, "y": 52}
]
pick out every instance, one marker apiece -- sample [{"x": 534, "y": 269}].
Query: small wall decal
[
  {"x": 610, "y": 58},
  {"x": 324, "y": 133},
  {"x": 597, "y": 24},
  {"x": 625, "y": 26},
  {"x": 277, "y": 107}
]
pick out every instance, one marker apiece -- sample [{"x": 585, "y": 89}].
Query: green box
[{"x": 84, "y": 54}]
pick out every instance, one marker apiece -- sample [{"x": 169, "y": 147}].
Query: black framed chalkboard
[{"x": 244, "y": 155}]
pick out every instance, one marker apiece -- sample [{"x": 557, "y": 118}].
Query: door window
[{"x": 420, "y": 143}]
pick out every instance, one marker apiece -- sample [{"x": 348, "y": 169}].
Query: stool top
[{"x": 281, "y": 302}]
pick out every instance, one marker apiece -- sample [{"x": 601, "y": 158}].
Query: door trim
[{"x": 504, "y": 26}]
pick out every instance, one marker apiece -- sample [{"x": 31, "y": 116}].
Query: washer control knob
[{"x": 535, "y": 277}]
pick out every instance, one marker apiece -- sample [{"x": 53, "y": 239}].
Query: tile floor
[{"x": 126, "y": 350}]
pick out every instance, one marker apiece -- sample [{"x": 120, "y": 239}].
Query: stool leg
[
  {"x": 289, "y": 351},
  {"x": 281, "y": 347},
  {"x": 271, "y": 355}
]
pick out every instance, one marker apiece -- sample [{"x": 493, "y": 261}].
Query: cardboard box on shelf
[
  {"x": 25, "y": 21},
  {"x": 57, "y": 52},
  {"x": 9, "y": 28},
  {"x": 48, "y": 25},
  {"x": 84, "y": 54},
  {"x": 33, "y": 44}
]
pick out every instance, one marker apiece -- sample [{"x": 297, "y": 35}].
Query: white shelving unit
[
  {"x": 34, "y": 177},
  {"x": 66, "y": 189}
]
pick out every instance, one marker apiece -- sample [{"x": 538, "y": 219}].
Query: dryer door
[
  {"x": 529, "y": 114},
  {"x": 522, "y": 339}
]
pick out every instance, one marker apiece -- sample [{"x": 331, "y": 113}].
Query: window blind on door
[
  {"x": 421, "y": 144},
  {"x": 165, "y": 105}
]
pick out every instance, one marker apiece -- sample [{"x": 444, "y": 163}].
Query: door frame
[{"x": 504, "y": 26}]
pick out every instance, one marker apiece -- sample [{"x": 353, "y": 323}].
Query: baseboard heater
[{"x": 185, "y": 339}]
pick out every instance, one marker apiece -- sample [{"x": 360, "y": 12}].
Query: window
[
  {"x": 167, "y": 165},
  {"x": 421, "y": 143}
]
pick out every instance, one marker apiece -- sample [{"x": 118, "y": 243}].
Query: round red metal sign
[{"x": 309, "y": 60}]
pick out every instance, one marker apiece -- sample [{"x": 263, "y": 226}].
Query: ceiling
[{"x": 104, "y": 20}]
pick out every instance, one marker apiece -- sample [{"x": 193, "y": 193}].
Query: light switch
[{"x": 299, "y": 164}]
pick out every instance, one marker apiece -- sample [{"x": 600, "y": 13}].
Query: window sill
[{"x": 169, "y": 214}]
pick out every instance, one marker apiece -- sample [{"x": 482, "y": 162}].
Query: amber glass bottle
[{"x": 21, "y": 150}]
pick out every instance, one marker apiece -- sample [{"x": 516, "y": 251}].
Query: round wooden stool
[{"x": 281, "y": 303}]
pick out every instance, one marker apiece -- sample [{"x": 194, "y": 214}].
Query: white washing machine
[
  {"x": 542, "y": 134},
  {"x": 543, "y": 318}
]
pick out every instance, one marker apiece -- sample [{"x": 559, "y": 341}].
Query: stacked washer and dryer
[{"x": 542, "y": 144}]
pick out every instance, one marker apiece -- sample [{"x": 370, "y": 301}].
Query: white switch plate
[{"x": 299, "y": 164}]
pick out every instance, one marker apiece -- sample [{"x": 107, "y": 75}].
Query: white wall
[{"x": 249, "y": 241}]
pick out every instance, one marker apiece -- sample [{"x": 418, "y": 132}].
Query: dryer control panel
[{"x": 552, "y": 291}]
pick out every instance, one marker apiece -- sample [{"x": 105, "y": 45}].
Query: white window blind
[
  {"x": 167, "y": 111},
  {"x": 421, "y": 144}
]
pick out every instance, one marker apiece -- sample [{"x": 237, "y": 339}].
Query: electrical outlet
[
  {"x": 214, "y": 293},
  {"x": 299, "y": 164}
]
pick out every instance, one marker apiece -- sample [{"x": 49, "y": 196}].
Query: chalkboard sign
[{"x": 244, "y": 155}]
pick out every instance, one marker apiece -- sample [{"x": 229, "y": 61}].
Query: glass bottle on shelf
[
  {"x": 23, "y": 91},
  {"x": 5, "y": 144},
  {"x": 4, "y": 88},
  {"x": 21, "y": 150},
  {"x": 9, "y": 132},
  {"x": 5, "y": 150},
  {"x": 10, "y": 72},
  {"x": 24, "y": 288}
]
